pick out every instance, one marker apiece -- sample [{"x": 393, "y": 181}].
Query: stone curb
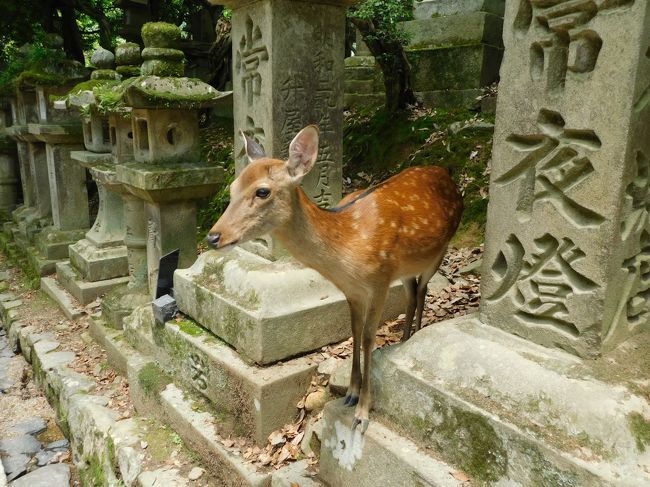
[{"x": 102, "y": 445}]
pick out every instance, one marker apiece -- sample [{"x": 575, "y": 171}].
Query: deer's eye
[{"x": 263, "y": 193}]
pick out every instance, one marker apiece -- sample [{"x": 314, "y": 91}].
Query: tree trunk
[
  {"x": 71, "y": 36},
  {"x": 394, "y": 64}
]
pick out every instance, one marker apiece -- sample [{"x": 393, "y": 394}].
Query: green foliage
[
  {"x": 36, "y": 58},
  {"x": 216, "y": 148},
  {"x": 385, "y": 16}
]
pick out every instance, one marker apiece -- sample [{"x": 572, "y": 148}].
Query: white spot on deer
[
  {"x": 393, "y": 224},
  {"x": 383, "y": 254},
  {"x": 409, "y": 207}
]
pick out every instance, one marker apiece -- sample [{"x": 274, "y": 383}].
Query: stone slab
[
  {"x": 112, "y": 341},
  {"x": 98, "y": 263},
  {"x": 57, "y": 475},
  {"x": 426, "y": 9},
  {"x": 3, "y": 476},
  {"x": 257, "y": 305},
  {"x": 82, "y": 290},
  {"x": 89, "y": 159},
  {"x": 506, "y": 410},
  {"x": 257, "y": 400},
  {"x": 53, "y": 244},
  {"x": 379, "y": 457},
  {"x": 68, "y": 306},
  {"x": 41, "y": 265},
  {"x": 458, "y": 29}
]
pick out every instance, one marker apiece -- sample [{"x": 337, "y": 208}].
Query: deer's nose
[{"x": 213, "y": 239}]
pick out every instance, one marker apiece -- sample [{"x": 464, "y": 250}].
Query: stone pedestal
[
  {"x": 170, "y": 195},
  {"x": 548, "y": 385}
]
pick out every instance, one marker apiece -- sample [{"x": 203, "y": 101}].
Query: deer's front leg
[
  {"x": 352, "y": 395},
  {"x": 362, "y": 413}
]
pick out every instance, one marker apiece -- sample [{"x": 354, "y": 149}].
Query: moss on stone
[
  {"x": 640, "y": 428},
  {"x": 153, "y": 379},
  {"x": 92, "y": 474},
  {"x": 160, "y": 34},
  {"x": 190, "y": 327}
]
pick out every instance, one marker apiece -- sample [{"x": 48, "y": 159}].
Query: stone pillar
[
  {"x": 9, "y": 182},
  {"x": 568, "y": 266},
  {"x": 284, "y": 82}
]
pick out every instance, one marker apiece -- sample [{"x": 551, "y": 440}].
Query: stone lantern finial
[
  {"x": 104, "y": 62},
  {"x": 128, "y": 59},
  {"x": 160, "y": 56}
]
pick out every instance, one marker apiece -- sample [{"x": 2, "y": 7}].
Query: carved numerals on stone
[
  {"x": 554, "y": 161},
  {"x": 637, "y": 198},
  {"x": 198, "y": 368},
  {"x": 251, "y": 54},
  {"x": 565, "y": 38},
  {"x": 541, "y": 283}
]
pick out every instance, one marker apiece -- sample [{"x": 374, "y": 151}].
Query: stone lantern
[
  {"x": 97, "y": 262},
  {"x": 167, "y": 173}
]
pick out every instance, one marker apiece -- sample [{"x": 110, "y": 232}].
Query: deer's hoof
[
  {"x": 363, "y": 423},
  {"x": 351, "y": 400}
]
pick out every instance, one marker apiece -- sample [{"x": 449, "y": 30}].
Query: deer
[{"x": 398, "y": 229}]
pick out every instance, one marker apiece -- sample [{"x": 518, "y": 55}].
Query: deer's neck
[{"x": 310, "y": 234}]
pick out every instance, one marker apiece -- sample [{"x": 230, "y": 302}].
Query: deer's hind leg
[
  {"x": 421, "y": 292},
  {"x": 411, "y": 287}
]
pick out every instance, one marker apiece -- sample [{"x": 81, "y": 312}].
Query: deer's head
[{"x": 262, "y": 196}]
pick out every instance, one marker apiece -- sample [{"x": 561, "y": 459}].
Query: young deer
[{"x": 398, "y": 229}]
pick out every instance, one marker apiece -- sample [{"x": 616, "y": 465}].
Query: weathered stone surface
[
  {"x": 459, "y": 29},
  {"x": 504, "y": 409},
  {"x": 426, "y": 9},
  {"x": 456, "y": 67},
  {"x": 296, "y": 473},
  {"x": 256, "y": 400},
  {"x": 127, "y": 53},
  {"x": 572, "y": 145},
  {"x": 3, "y": 476},
  {"x": 84, "y": 291},
  {"x": 15, "y": 465},
  {"x": 287, "y": 82},
  {"x": 57, "y": 475},
  {"x": 379, "y": 457},
  {"x": 25, "y": 444},
  {"x": 102, "y": 59},
  {"x": 171, "y": 477},
  {"x": 70, "y": 309},
  {"x": 33, "y": 426},
  {"x": 256, "y": 305}
]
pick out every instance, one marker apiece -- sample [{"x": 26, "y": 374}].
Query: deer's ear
[
  {"x": 253, "y": 149},
  {"x": 303, "y": 151}
]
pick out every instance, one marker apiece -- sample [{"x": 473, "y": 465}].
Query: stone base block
[
  {"x": 426, "y": 9},
  {"x": 84, "y": 291},
  {"x": 63, "y": 299},
  {"x": 268, "y": 311},
  {"x": 53, "y": 244},
  {"x": 509, "y": 412},
  {"x": 454, "y": 67},
  {"x": 379, "y": 457},
  {"x": 450, "y": 98},
  {"x": 99, "y": 264},
  {"x": 199, "y": 429},
  {"x": 256, "y": 400},
  {"x": 41, "y": 265},
  {"x": 120, "y": 303}
]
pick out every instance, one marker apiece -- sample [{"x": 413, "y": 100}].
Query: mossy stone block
[{"x": 160, "y": 34}]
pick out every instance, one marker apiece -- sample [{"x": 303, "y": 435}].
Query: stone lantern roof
[{"x": 173, "y": 93}]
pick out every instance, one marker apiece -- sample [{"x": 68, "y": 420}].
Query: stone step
[
  {"x": 257, "y": 305},
  {"x": 84, "y": 291},
  {"x": 378, "y": 457},
  {"x": 506, "y": 410},
  {"x": 254, "y": 400},
  {"x": 65, "y": 301},
  {"x": 155, "y": 395}
]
